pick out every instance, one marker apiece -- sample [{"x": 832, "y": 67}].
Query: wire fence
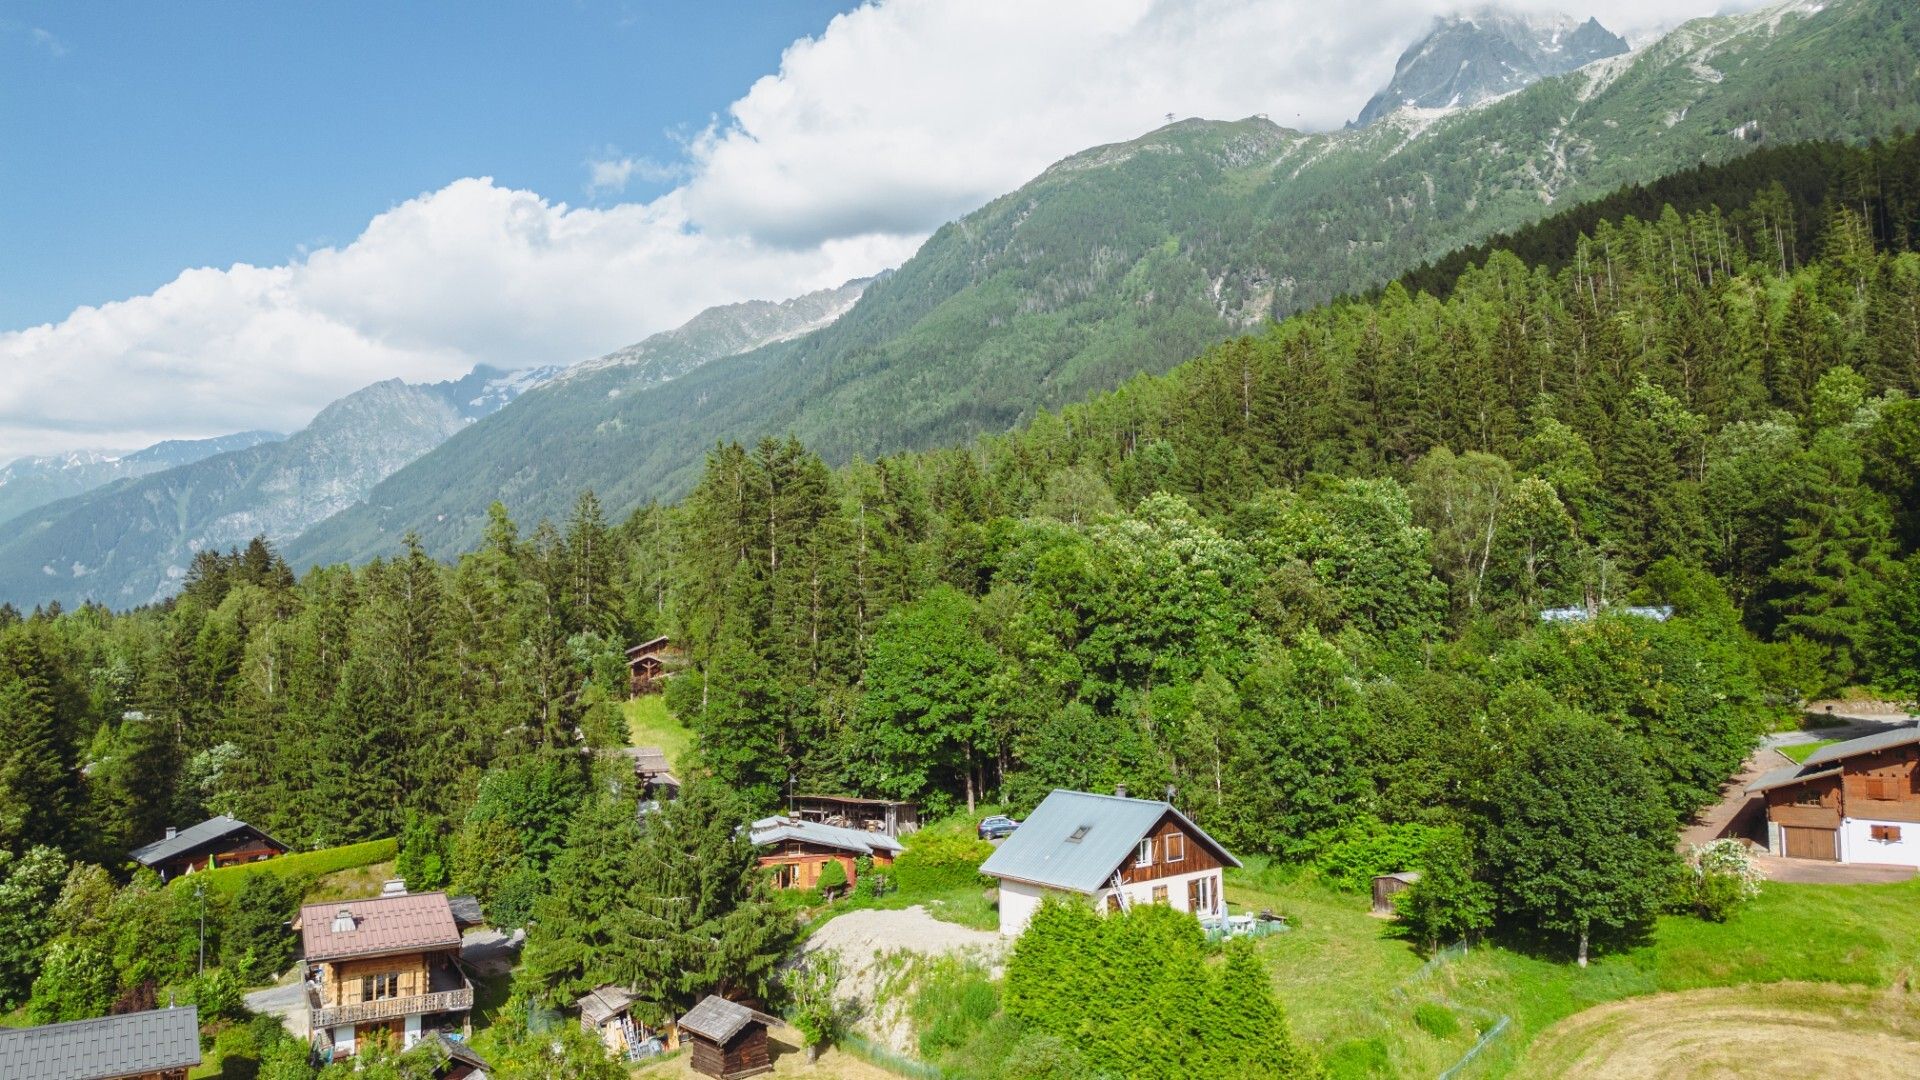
[
  {"x": 1491, "y": 1024},
  {"x": 883, "y": 1057}
]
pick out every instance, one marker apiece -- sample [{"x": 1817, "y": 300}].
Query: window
[
  {"x": 1886, "y": 834},
  {"x": 380, "y": 987},
  {"x": 1143, "y": 855},
  {"x": 1200, "y": 896},
  {"x": 1078, "y": 834},
  {"x": 1159, "y": 894},
  {"x": 1880, "y": 787},
  {"x": 1176, "y": 844},
  {"x": 1807, "y": 796}
]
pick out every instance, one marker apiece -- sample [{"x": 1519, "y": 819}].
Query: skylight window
[{"x": 1079, "y": 834}]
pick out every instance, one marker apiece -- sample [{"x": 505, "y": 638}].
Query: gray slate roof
[
  {"x": 1905, "y": 735},
  {"x": 189, "y": 838},
  {"x": 1786, "y": 775},
  {"x": 1041, "y": 851},
  {"x": 456, "y": 1051},
  {"x": 109, "y": 1046},
  {"x": 775, "y": 830},
  {"x": 720, "y": 1020}
]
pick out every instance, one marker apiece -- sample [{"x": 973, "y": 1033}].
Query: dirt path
[{"x": 1783, "y": 1031}]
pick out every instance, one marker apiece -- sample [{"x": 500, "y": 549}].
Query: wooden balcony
[{"x": 365, "y": 1012}]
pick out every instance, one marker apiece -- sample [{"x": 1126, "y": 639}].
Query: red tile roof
[{"x": 388, "y": 924}]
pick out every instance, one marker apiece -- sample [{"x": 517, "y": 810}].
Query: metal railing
[{"x": 362, "y": 1012}]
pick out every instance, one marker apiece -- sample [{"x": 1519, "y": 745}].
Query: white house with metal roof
[
  {"x": 1856, "y": 801},
  {"x": 1111, "y": 849}
]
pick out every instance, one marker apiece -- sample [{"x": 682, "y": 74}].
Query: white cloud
[
  {"x": 899, "y": 116},
  {"x": 46, "y": 40}
]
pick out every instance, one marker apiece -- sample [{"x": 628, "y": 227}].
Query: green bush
[
  {"x": 833, "y": 878},
  {"x": 1353, "y": 855},
  {"x": 1436, "y": 1020},
  {"x": 954, "y": 1003},
  {"x": 935, "y": 861},
  {"x": 228, "y": 880}
]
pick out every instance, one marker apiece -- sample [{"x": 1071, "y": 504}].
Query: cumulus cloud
[
  {"x": 899, "y": 116},
  {"x": 46, "y": 41}
]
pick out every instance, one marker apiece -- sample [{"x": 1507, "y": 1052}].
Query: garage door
[{"x": 1803, "y": 843}]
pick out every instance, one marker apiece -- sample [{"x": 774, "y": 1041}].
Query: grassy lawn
[
  {"x": 359, "y": 883},
  {"x": 315, "y": 864},
  {"x": 1352, "y": 988},
  {"x": 650, "y": 724},
  {"x": 1803, "y": 751}
]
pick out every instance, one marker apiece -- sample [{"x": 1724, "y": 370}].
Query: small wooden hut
[
  {"x": 729, "y": 1040},
  {"x": 650, "y": 663},
  {"x": 1387, "y": 886}
]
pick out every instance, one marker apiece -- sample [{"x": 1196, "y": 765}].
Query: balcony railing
[{"x": 363, "y": 1012}]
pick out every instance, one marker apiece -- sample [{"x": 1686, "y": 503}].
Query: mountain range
[
  {"x": 1467, "y": 59},
  {"x": 31, "y": 482},
  {"x": 1118, "y": 260},
  {"x": 1131, "y": 257},
  {"x": 130, "y": 541}
]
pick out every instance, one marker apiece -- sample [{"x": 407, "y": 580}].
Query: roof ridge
[{"x": 111, "y": 1018}]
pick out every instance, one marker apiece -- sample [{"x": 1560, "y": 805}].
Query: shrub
[
  {"x": 1436, "y": 1020},
  {"x": 1366, "y": 847},
  {"x": 218, "y": 994},
  {"x": 935, "y": 861},
  {"x": 833, "y": 878},
  {"x": 1720, "y": 877},
  {"x": 866, "y": 884}
]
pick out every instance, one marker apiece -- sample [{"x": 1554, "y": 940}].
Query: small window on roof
[{"x": 1078, "y": 834}]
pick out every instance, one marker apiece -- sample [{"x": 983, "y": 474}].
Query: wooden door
[
  {"x": 1805, "y": 843},
  {"x": 1193, "y": 898}
]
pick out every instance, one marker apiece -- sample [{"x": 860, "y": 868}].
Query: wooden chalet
[
  {"x": 219, "y": 841},
  {"x": 797, "y": 851},
  {"x": 653, "y": 773},
  {"x": 729, "y": 1040},
  {"x": 889, "y": 816},
  {"x": 652, "y": 662},
  {"x": 1856, "y": 801},
  {"x": 390, "y": 964},
  {"x": 1111, "y": 849},
  {"x": 158, "y": 1044}
]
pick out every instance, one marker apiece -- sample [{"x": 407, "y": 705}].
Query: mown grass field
[
  {"x": 650, "y": 724},
  {"x": 1352, "y": 987},
  {"x": 1800, "y": 752}
]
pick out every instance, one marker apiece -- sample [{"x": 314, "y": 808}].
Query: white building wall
[
  {"x": 342, "y": 1040},
  {"x": 1857, "y": 844},
  {"x": 412, "y": 1032},
  {"x": 1018, "y": 902},
  {"x": 1176, "y": 886}
]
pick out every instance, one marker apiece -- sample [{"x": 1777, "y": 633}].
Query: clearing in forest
[{"x": 1762, "y": 1032}]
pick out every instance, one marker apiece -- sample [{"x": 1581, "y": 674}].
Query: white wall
[
  {"x": 342, "y": 1040},
  {"x": 1018, "y": 902},
  {"x": 412, "y": 1034},
  {"x": 1857, "y": 844},
  {"x": 1142, "y": 892}
]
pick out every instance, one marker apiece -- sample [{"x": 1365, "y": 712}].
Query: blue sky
[{"x": 141, "y": 139}]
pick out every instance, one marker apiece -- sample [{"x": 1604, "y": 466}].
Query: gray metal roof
[
  {"x": 1904, "y": 735},
  {"x": 189, "y": 838},
  {"x": 1042, "y": 851},
  {"x": 110, "y": 1046},
  {"x": 774, "y": 830},
  {"x": 1787, "y": 775},
  {"x": 720, "y": 1020}
]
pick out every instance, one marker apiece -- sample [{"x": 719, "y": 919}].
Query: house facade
[
  {"x": 797, "y": 851},
  {"x": 1856, "y": 801},
  {"x": 220, "y": 841},
  {"x": 158, "y": 1044},
  {"x": 651, "y": 663},
  {"x": 387, "y": 966},
  {"x": 1113, "y": 850}
]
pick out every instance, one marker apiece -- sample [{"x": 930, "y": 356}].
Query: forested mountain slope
[
  {"x": 131, "y": 542},
  {"x": 1128, "y": 258},
  {"x": 36, "y": 481}
]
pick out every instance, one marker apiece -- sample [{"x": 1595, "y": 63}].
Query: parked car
[{"x": 997, "y": 826}]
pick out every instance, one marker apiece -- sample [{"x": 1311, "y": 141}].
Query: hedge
[{"x": 227, "y": 880}]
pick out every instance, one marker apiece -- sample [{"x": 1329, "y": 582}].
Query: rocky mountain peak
[{"x": 1468, "y": 58}]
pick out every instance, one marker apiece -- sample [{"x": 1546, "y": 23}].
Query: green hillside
[{"x": 1132, "y": 257}]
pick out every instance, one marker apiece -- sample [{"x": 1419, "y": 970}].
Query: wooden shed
[
  {"x": 729, "y": 1040},
  {"x": 1387, "y": 886}
]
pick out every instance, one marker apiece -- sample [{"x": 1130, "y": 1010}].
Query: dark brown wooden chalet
[
  {"x": 729, "y": 1040},
  {"x": 220, "y": 841},
  {"x": 650, "y": 663},
  {"x": 1855, "y": 801}
]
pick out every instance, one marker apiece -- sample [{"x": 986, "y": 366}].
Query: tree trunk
[
  {"x": 1583, "y": 944},
  {"x": 969, "y": 780}
]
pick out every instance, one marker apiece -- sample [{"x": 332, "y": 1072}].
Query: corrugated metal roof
[
  {"x": 189, "y": 838},
  {"x": 388, "y": 924},
  {"x": 1044, "y": 850},
  {"x": 774, "y": 830},
  {"x": 109, "y": 1046},
  {"x": 1787, "y": 775},
  {"x": 1904, "y": 735},
  {"x": 718, "y": 1019}
]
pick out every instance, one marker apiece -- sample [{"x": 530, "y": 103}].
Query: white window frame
[
  {"x": 1168, "y": 848},
  {"x": 1207, "y": 904},
  {"x": 1143, "y": 852}
]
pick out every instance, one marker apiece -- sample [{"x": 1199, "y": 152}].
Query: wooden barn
[
  {"x": 1388, "y": 886},
  {"x": 650, "y": 663},
  {"x": 1855, "y": 802},
  {"x": 890, "y": 816},
  {"x": 220, "y": 841},
  {"x": 729, "y": 1040}
]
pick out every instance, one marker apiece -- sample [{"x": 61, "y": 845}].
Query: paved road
[{"x": 286, "y": 1002}]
